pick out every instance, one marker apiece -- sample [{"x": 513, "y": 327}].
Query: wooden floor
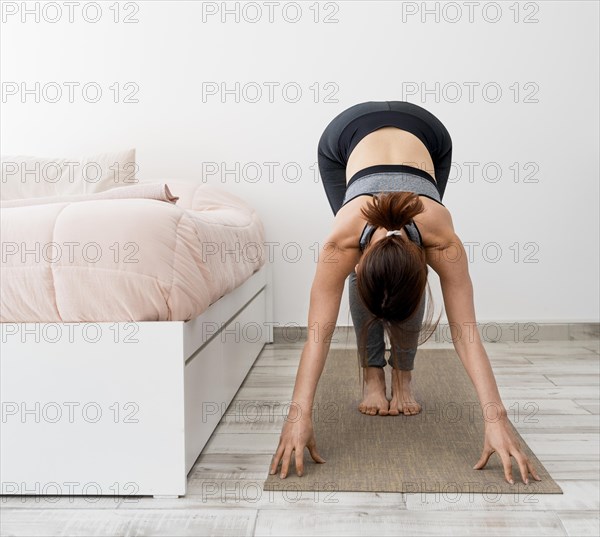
[{"x": 225, "y": 495}]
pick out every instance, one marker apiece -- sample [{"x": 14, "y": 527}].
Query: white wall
[{"x": 370, "y": 53}]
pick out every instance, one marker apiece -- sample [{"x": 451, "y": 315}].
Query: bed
[{"x": 119, "y": 356}]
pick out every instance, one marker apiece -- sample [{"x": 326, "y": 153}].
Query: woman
[{"x": 385, "y": 166}]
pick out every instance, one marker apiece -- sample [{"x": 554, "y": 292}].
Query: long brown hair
[{"x": 391, "y": 279}]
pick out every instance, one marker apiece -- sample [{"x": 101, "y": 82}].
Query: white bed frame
[{"x": 123, "y": 408}]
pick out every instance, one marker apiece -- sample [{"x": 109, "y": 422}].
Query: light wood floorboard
[{"x": 549, "y": 387}]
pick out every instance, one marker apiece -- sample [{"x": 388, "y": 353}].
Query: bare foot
[
  {"x": 374, "y": 401},
  {"x": 402, "y": 396}
]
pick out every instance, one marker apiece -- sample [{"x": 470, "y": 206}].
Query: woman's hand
[
  {"x": 297, "y": 433},
  {"x": 500, "y": 438}
]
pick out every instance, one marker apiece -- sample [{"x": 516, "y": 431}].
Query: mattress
[{"x": 97, "y": 259}]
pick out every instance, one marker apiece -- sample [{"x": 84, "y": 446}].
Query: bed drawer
[{"x": 214, "y": 375}]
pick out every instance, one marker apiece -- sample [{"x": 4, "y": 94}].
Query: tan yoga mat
[{"x": 433, "y": 451}]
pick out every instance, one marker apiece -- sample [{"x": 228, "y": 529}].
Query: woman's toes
[
  {"x": 394, "y": 410},
  {"x": 410, "y": 409}
]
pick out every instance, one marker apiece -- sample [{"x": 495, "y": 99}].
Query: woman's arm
[
  {"x": 446, "y": 255},
  {"x": 449, "y": 260},
  {"x": 337, "y": 259}
]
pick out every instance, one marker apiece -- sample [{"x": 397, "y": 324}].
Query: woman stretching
[{"x": 384, "y": 166}]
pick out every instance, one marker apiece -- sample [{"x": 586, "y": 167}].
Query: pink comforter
[{"x": 130, "y": 259}]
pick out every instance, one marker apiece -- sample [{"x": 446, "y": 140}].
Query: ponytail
[
  {"x": 391, "y": 280},
  {"x": 393, "y": 210}
]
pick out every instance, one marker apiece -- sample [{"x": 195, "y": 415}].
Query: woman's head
[{"x": 391, "y": 277}]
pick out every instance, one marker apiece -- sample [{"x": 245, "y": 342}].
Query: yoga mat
[{"x": 433, "y": 451}]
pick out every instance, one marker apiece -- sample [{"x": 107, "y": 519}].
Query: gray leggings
[{"x": 375, "y": 339}]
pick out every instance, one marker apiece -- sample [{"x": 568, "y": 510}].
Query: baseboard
[{"x": 490, "y": 332}]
